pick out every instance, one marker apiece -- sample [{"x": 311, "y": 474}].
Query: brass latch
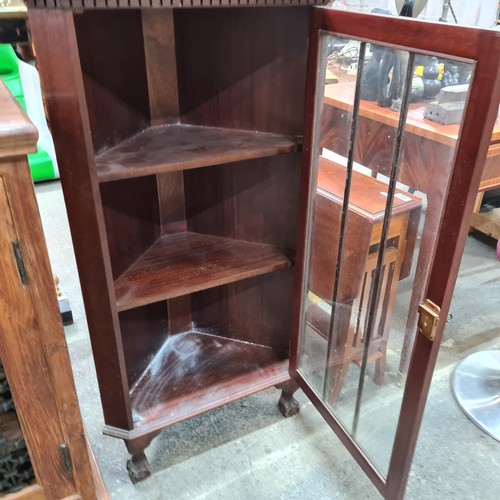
[{"x": 428, "y": 319}]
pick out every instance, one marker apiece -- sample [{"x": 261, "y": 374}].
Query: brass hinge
[
  {"x": 20, "y": 262},
  {"x": 428, "y": 319},
  {"x": 66, "y": 458}
]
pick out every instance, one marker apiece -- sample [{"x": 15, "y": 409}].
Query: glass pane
[{"x": 374, "y": 216}]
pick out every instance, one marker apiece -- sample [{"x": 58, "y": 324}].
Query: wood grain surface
[
  {"x": 181, "y": 147},
  {"x": 242, "y": 68},
  {"x": 111, "y": 56},
  {"x": 155, "y": 4},
  {"x": 32, "y": 342},
  {"x": 58, "y": 58},
  {"x": 159, "y": 45},
  {"x": 184, "y": 263},
  {"x": 255, "y": 200},
  {"x": 368, "y": 196},
  {"x": 18, "y": 134},
  {"x": 342, "y": 95},
  {"x": 195, "y": 372},
  {"x": 255, "y": 310}
]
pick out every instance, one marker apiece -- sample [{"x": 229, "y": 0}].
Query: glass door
[{"x": 399, "y": 119}]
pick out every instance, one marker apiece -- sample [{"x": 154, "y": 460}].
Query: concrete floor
[{"x": 246, "y": 450}]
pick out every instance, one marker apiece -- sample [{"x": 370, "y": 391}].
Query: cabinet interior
[{"x": 196, "y": 118}]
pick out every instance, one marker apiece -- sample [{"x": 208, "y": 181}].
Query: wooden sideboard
[
  {"x": 426, "y": 145},
  {"x": 32, "y": 343}
]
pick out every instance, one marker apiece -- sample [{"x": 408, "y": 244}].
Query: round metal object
[{"x": 476, "y": 387}]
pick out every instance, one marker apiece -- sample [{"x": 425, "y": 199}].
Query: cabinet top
[
  {"x": 18, "y": 135},
  {"x": 146, "y": 4}
]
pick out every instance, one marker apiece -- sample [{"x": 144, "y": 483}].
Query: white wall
[{"x": 482, "y": 13}]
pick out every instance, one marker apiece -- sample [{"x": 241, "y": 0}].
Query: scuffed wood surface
[
  {"x": 184, "y": 263},
  {"x": 181, "y": 147},
  {"x": 195, "y": 372}
]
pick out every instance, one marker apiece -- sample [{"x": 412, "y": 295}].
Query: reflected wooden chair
[{"x": 359, "y": 262}]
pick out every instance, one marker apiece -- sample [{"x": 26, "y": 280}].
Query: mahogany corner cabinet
[{"x": 188, "y": 140}]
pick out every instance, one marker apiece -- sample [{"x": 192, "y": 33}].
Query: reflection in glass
[{"x": 374, "y": 215}]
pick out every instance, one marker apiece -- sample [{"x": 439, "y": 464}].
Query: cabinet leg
[
  {"x": 138, "y": 465},
  {"x": 287, "y": 404}
]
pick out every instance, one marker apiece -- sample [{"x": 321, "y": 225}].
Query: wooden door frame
[{"x": 460, "y": 43}]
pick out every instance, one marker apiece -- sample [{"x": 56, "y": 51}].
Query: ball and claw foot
[
  {"x": 138, "y": 468},
  {"x": 138, "y": 465},
  {"x": 288, "y": 405}
]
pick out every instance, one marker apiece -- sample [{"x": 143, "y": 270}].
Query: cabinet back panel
[
  {"x": 243, "y": 68},
  {"x": 171, "y": 202},
  {"x": 144, "y": 331},
  {"x": 132, "y": 219},
  {"x": 113, "y": 64},
  {"x": 159, "y": 48},
  {"x": 256, "y": 310},
  {"x": 254, "y": 200}
]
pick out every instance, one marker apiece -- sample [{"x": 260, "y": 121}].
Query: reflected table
[
  {"x": 428, "y": 150},
  {"x": 476, "y": 387}
]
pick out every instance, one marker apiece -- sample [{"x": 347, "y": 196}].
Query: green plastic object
[{"x": 40, "y": 163}]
